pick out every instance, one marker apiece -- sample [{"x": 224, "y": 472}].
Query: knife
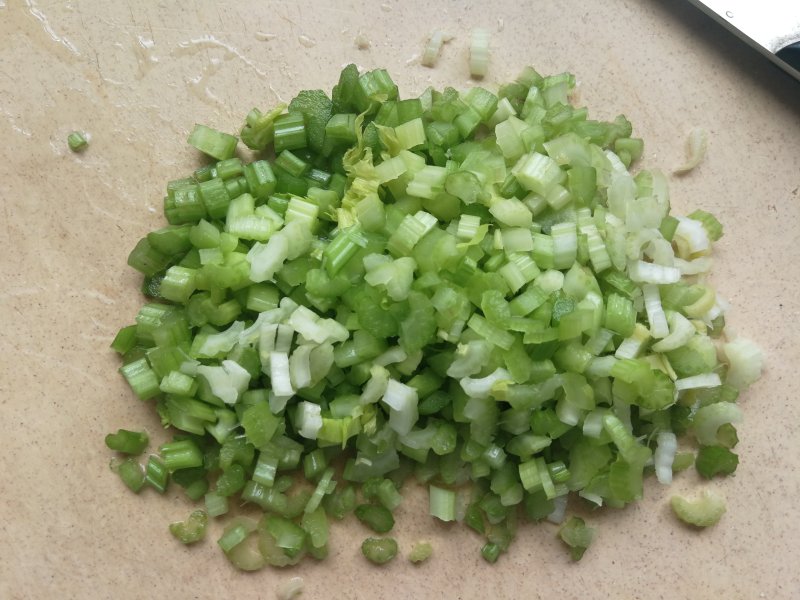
[{"x": 770, "y": 26}]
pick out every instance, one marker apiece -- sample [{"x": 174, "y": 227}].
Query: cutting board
[{"x": 137, "y": 76}]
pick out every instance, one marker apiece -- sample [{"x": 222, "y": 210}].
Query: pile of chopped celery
[{"x": 468, "y": 288}]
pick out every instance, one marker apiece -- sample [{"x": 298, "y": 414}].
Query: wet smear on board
[
  {"x": 144, "y": 49},
  {"x": 48, "y": 34}
]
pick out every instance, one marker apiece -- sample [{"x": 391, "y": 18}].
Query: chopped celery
[{"x": 469, "y": 287}]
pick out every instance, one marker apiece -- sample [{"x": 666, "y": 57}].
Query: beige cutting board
[{"x": 138, "y": 75}]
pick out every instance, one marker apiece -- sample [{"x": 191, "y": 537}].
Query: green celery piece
[
  {"x": 125, "y": 340},
  {"x": 376, "y": 517},
  {"x": 537, "y": 505},
  {"x": 490, "y": 552},
  {"x": 192, "y": 530},
  {"x": 698, "y": 356},
  {"x": 340, "y": 502},
  {"x": 704, "y": 511},
  {"x": 316, "y": 107},
  {"x": 240, "y": 543},
  {"x": 715, "y": 460},
  {"x": 710, "y": 223},
  {"x": 147, "y": 259},
  {"x": 575, "y": 534},
  {"x": 127, "y": 442},
  {"x": 231, "y": 481},
  {"x": 156, "y": 474},
  {"x": 343, "y": 92},
  {"x": 131, "y": 473},
  {"x": 379, "y": 550},
  {"x": 213, "y": 143},
  {"x": 420, "y": 552},
  {"x": 77, "y": 141},
  {"x": 259, "y": 424},
  {"x": 315, "y": 524}
]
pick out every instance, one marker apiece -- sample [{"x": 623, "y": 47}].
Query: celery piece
[
  {"x": 490, "y": 552},
  {"x": 442, "y": 503},
  {"x": 127, "y": 442},
  {"x": 376, "y": 517},
  {"x": 479, "y": 53},
  {"x": 575, "y": 534},
  {"x": 213, "y": 143},
  {"x": 131, "y": 473},
  {"x": 379, "y": 550},
  {"x": 715, "y": 460},
  {"x": 192, "y": 530},
  {"x": 156, "y": 474},
  {"x": 420, "y": 552},
  {"x": 315, "y": 106},
  {"x": 704, "y": 511},
  {"x": 77, "y": 141}
]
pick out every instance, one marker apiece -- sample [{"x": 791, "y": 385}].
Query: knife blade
[{"x": 770, "y": 26}]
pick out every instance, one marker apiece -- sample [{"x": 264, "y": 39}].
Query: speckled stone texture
[{"x": 138, "y": 75}]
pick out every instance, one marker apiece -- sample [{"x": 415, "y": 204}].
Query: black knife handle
[{"x": 790, "y": 55}]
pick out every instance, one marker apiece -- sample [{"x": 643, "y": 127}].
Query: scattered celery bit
[
  {"x": 490, "y": 552},
  {"x": 420, "y": 552},
  {"x": 127, "y": 442},
  {"x": 192, "y": 530},
  {"x": 479, "y": 53},
  {"x": 213, "y": 143},
  {"x": 379, "y": 550},
  {"x": 77, "y": 141},
  {"x": 715, "y": 460},
  {"x": 696, "y": 145},
  {"x": 131, "y": 473},
  {"x": 434, "y": 46},
  {"x": 704, "y": 511},
  {"x": 291, "y": 588},
  {"x": 575, "y": 534},
  {"x": 378, "y": 518}
]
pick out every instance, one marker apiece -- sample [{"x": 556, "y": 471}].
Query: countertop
[{"x": 138, "y": 75}]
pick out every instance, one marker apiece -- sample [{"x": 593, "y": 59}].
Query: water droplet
[
  {"x": 37, "y": 14},
  {"x": 197, "y": 45},
  {"x": 198, "y": 85},
  {"x": 265, "y": 37},
  {"x": 19, "y": 127},
  {"x": 386, "y": 8}
]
